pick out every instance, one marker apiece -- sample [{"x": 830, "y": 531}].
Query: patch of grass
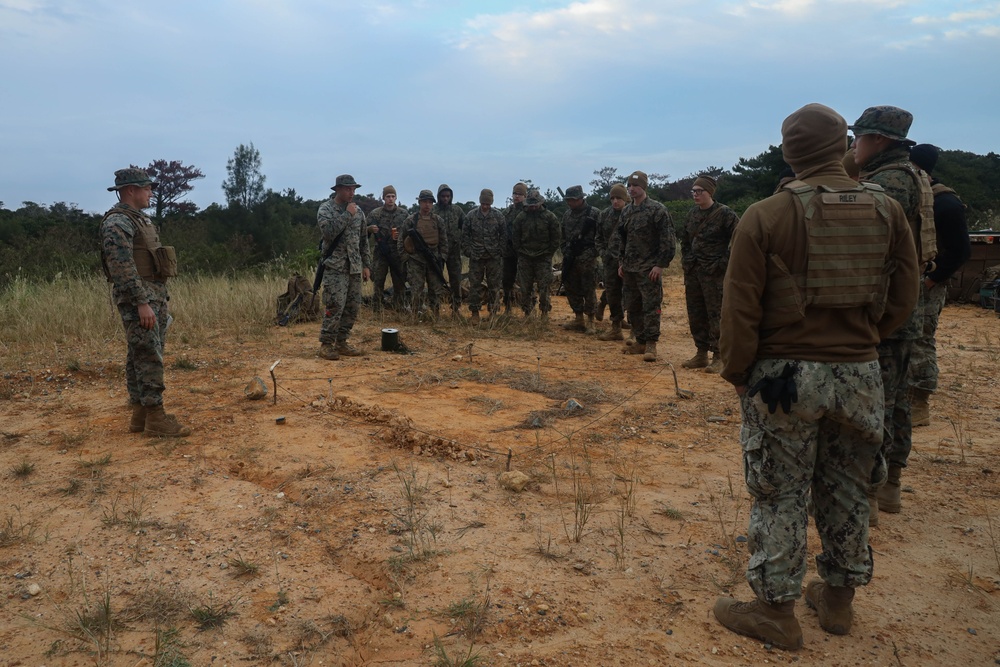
[
  {"x": 72, "y": 488},
  {"x": 470, "y": 659},
  {"x": 157, "y": 604},
  {"x": 94, "y": 463},
  {"x": 258, "y": 643},
  {"x": 487, "y": 405},
  {"x": 23, "y": 469},
  {"x": 15, "y": 530},
  {"x": 212, "y": 614},
  {"x": 242, "y": 567},
  {"x": 184, "y": 364},
  {"x": 167, "y": 649},
  {"x": 669, "y": 512}
]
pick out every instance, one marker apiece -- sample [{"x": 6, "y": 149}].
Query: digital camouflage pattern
[
  {"x": 894, "y": 357},
  {"x": 828, "y": 445},
  {"x": 144, "y": 359},
  {"x": 704, "y": 240},
  {"x": 648, "y": 236},
  {"x": 454, "y": 220},
  {"x": 509, "y": 254},
  {"x": 483, "y": 239},
  {"x": 607, "y": 230},
  {"x": 341, "y": 303},
  {"x": 342, "y": 269},
  {"x": 418, "y": 271},
  {"x": 642, "y": 298},
  {"x": 385, "y": 254},
  {"x": 535, "y": 272},
  {"x": 536, "y": 234},
  {"x": 923, "y": 369},
  {"x": 579, "y": 233}
]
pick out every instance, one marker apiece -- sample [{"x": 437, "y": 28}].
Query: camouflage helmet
[
  {"x": 534, "y": 198},
  {"x": 891, "y": 122},
  {"x": 131, "y": 176}
]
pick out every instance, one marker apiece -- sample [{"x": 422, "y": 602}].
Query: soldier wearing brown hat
[
  {"x": 482, "y": 242},
  {"x": 138, "y": 268},
  {"x": 609, "y": 249},
  {"x": 383, "y": 224}
]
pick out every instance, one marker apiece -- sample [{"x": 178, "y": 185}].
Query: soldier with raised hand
[
  {"x": 482, "y": 242},
  {"x": 704, "y": 241},
  {"x": 423, "y": 239},
  {"x": 454, "y": 220},
  {"x": 345, "y": 247},
  {"x": 609, "y": 249},
  {"x": 138, "y": 268},
  {"x": 648, "y": 243},
  {"x": 518, "y": 194},
  {"x": 536, "y": 237},
  {"x": 818, "y": 273},
  {"x": 579, "y": 270},
  {"x": 881, "y": 151},
  {"x": 383, "y": 224}
]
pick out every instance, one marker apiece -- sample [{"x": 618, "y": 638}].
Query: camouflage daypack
[{"x": 298, "y": 303}]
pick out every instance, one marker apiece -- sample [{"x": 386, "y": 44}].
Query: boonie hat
[
  {"x": 891, "y": 122},
  {"x": 534, "y": 198},
  {"x": 574, "y": 192},
  {"x": 345, "y": 180},
  {"x": 425, "y": 194},
  {"x": 131, "y": 176}
]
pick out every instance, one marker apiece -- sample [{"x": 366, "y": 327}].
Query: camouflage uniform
[
  {"x": 144, "y": 360},
  {"x": 454, "y": 220},
  {"x": 386, "y": 260},
  {"x": 704, "y": 240},
  {"x": 509, "y": 254},
  {"x": 536, "y": 238},
  {"x": 418, "y": 270},
  {"x": 607, "y": 230},
  {"x": 581, "y": 281},
  {"x": 647, "y": 240},
  {"x": 482, "y": 242},
  {"x": 342, "y": 269}
]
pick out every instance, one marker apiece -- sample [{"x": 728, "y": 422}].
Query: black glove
[{"x": 775, "y": 390}]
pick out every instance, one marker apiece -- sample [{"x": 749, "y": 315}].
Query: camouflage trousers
[
  {"x": 703, "y": 293},
  {"x": 418, "y": 273},
  {"x": 382, "y": 269},
  {"x": 581, "y": 286},
  {"x": 489, "y": 269},
  {"x": 897, "y": 427},
  {"x": 341, "y": 303},
  {"x": 825, "y": 447},
  {"x": 923, "y": 362},
  {"x": 454, "y": 265},
  {"x": 612, "y": 294},
  {"x": 509, "y": 278},
  {"x": 642, "y": 299},
  {"x": 532, "y": 271},
  {"x": 144, "y": 360}
]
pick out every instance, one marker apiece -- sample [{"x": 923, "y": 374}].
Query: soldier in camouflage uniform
[
  {"x": 954, "y": 250},
  {"x": 138, "y": 268},
  {"x": 509, "y": 254},
  {"x": 454, "y": 220},
  {"x": 579, "y": 269},
  {"x": 704, "y": 256},
  {"x": 386, "y": 260},
  {"x": 536, "y": 237},
  {"x": 606, "y": 243},
  {"x": 881, "y": 151},
  {"x": 648, "y": 242},
  {"x": 342, "y": 224},
  {"x": 482, "y": 242},
  {"x": 808, "y": 378},
  {"x": 420, "y": 268}
]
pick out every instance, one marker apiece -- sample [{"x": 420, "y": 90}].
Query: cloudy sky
[{"x": 477, "y": 93}]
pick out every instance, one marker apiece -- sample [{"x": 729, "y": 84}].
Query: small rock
[
  {"x": 536, "y": 422},
  {"x": 280, "y": 494},
  {"x": 388, "y": 621},
  {"x": 972, "y": 631},
  {"x": 457, "y": 357},
  {"x": 584, "y": 616},
  {"x": 255, "y": 389},
  {"x": 572, "y": 404},
  {"x": 542, "y": 609},
  {"x": 35, "y": 589},
  {"x": 716, "y": 419},
  {"x": 740, "y": 539},
  {"x": 416, "y": 451},
  {"x": 514, "y": 480}
]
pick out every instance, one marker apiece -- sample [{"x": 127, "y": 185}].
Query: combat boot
[
  {"x": 138, "y": 423},
  {"x": 161, "y": 425},
  {"x": 600, "y": 311},
  {"x": 590, "y": 324},
  {"x": 328, "y": 351},
  {"x": 888, "y": 494},
  {"x": 699, "y": 360},
  {"x": 576, "y": 325},
  {"x": 474, "y": 318},
  {"x": 716, "y": 365},
  {"x": 872, "y": 509},
  {"x": 344, "y": 349},
  {"x": 920, "y": 410},
  {"x": 833, "y": 604},
  {"x": 635, "y": 348},
  {"x": 650, "y": 353},
  {"x": 614, "y": 333},
  {"x": 544, "y": 317},
  {"x": 626, "y": 325},
  {"x": 771, "y": 623}
]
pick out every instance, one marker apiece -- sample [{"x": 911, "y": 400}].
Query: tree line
[{"x": 258, "y": 227}]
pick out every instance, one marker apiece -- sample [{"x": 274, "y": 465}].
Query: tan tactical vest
[
  {"x": 428, "y": 229},
  {"x": 848, "y": 240},
  {"x": 928, "y": 233},
  {"x": 153, "y": 261}
]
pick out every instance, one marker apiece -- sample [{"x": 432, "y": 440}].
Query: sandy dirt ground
[{"x": 372, "y": 526}]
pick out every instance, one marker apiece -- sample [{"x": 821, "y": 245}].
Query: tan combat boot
[
  {"x": 626, "y": 325},
  {"x": 833, "y": 604},
  {"x": 635, "y": 347},
  {"x": 650, "y": 354},
  {"x": 576, "y": 325},
  {"x": 771, "y": 623},
  {"x": 590, "y": 324},
  {"x": 699, "y": 360},
  {"x": 614, "y": 333},
  {"x": 872, "y": 509},
  {"x": 716, "y": 365},
  {"x": 344, "y": 349},
  {"x": 474, "y": 318},
  {"x": 920, "y": 409},
  {"x": 138, "y": 423},
  {"x": 888, "y": 494},
  {"x": 328, "y": 351},
  {"x": 161, "y": 425}
]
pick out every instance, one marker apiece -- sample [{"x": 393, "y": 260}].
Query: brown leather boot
[
  {"x": 614, "y": 333},
  {"x": 138, "y": 423},
  {"x": 635, "y": 348},
  {"x": 771, "y": 623},
  {"x": 590, "y": 324},
  {"x": 328, "y": 351},
  {"x": 920, "y": 409},
  {"x": 161, "y": 425},
  {"x": 888, "y": 494},
  {"x": 650, "y": 353},
  {"x": 833, "y": 604},
  {"x": 344, "y": 349},
  {"x": 699, "y": 360}
]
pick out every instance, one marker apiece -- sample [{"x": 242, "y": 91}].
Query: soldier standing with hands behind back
[{"x": 138, "y": 268}]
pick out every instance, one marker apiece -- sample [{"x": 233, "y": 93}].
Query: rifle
[
  {"x": 577, "y": 245},
  {"x": 425, "y": 250},
  {"x": 318, "y": 282}
]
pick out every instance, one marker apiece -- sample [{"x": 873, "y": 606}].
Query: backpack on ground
[{"x": 298, "y": 304}]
